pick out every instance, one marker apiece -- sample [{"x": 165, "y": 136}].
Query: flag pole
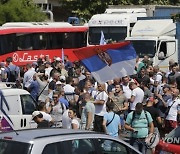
[{"x": 62, "y": 55}]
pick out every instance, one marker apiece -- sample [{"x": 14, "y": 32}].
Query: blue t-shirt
[
  {"x": 34, "y": 89},
  {"x": 113, "y": 127},
  {"x": 140, "y": 123}
]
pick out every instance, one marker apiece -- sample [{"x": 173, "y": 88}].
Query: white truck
[
  {"x": 118, "y": 21},
  {"x": 157, "y": 37},
  {"x": 16, "y": 107},
  {"x": 116, "y": 24}
]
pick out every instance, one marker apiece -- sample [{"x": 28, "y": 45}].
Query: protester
[
  {"x": 173, "y": 111},
  {"x": 12, "y": 72},
  {"x": 37, "y": 116},
  {"x": 57, "y": 109},
  {"x": 111, "y": 121},
  {"x": 137, "y": 95},
  {"x": 87, "y": 116},
  {"x": 74, "y": 120},
  {"x": 45, "y": 112},
  {"x": 140, "y": 124},
  {"x": 100, "y": 99},
  {"x": 28, "y": 76},
  {"x": 34, "y": 88},
  {"x": 121, "y": 103}
]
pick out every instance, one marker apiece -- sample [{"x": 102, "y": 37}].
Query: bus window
[
  {"x": 80, "y": 40},
  {"x": 56, "y": 40},
  {"x": 40, "y": 41},
  {"x": 7, "y": 43},
  {"x": 68, "y": 40},
  {"x": 74, "y": 40},
  {"x": 24, "y": 41}
]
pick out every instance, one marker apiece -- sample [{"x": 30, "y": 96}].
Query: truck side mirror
[{"x": 161, "y": 56}]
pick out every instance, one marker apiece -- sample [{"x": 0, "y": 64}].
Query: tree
[
  {"x": 19, "y": 11},
  {"x": 86, "y": 8}
]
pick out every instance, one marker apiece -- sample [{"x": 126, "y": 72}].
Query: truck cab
[
  {"x": 116, "y": 24},
  {"x": 158, "y": 38},
  {"x": 16, "y": 107}
]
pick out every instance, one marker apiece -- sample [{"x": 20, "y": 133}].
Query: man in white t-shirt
[
  {"x": 137, "y": 95},
  {"x": 69, "y": 89},
  {"x": 173, "y": 111},
  {"x": 125, "y": 87},
  {"x": 46, "y": 116},
  {"x": 101, "y": 98},
  {"x": 158, "y": 76}
]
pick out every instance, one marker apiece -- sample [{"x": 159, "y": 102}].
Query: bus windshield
[
  {"x": 144, "y": 47},
  {"x": 114, "y": 34}
]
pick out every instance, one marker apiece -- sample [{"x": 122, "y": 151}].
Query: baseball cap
[
  {"x": 58, "y": 82},
  {"x": 35, "y": 113},
  {"x": 62, "y": 77},
  {"x": 58, "y": 59}
]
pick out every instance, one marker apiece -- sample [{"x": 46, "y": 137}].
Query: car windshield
[
  {"x": 9, "y": 147},
  {"x": 173, "y": 136},
  {"x": 144, "y": 48}
]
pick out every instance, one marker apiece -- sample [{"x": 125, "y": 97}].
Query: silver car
[{"x": 61, "y": 141}]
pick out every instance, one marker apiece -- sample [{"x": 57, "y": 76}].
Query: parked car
[
  {"x": 62, "y": 141},
  {"x": 170, "y": 144}
]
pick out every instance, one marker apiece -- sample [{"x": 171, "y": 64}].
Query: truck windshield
[
  {"x": 110, "y": 33},
  {"x": 9, "y": 147},
  {"x": 144, "y": 48}
]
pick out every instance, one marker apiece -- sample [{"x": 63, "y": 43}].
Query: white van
[{"x": 16, "y": 107}]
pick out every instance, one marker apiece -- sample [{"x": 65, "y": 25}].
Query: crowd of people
[{"x": 69, "y": 97}]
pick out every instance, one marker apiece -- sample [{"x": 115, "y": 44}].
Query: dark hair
[
  {"x": 110, "y": 104},
  {"x": 174, "y": 65},
  {"x": 39, "y": 115},
  {"x": 41, "y": 105},
  {"x": 9, "y": 59},
  {"x": 139, "y": 106},
  {"x": 73, "y": 108},
  {"x": 69, "y": 80}
]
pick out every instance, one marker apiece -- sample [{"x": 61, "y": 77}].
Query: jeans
[{"x": 139, "y": 144}]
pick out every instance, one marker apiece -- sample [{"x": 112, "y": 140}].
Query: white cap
[
  {"x": 58, "y": 59},
  {"x": 58, "y": 82},
  {"x": 62, "y": 77},
  {"x": 35, "y": 113}
]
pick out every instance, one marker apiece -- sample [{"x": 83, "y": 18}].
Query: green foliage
[
  {"x": 86, "y": 8},
  {"x": 19, "y": 11}
]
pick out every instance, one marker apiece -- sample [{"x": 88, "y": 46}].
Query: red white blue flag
[{"x": 109, "y": 61}]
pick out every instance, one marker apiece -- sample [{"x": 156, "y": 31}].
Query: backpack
[
  {"x": 12, "y": 74},
  {"x": 151, "y": 140}
]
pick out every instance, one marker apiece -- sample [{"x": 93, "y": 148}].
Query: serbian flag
[{"x": 106, "y": 62}]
